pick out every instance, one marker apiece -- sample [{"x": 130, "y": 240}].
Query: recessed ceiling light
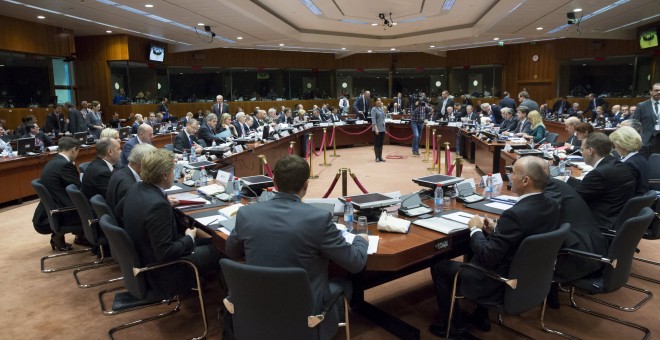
[
  {"x": 577, "y": 10},
  {"x": 369, "y": 51},
  {"x": 108, "y": 31},
  {"x": 432, "y": 46},
  {"x": 374, "y": 24},
  {"x": 41, "y": 17},
  {"x": 2, "y": 65},
  {"x": 239, "y": 38},
  {"x": 496, "y": 39},
  {"x": 392, "y": 49},
  {"x": 539, "y": 28},
  {"x": 148, "y": 5},
  {"x": 343, "y": 48},
  {"x": 200, "y": 24},
  {"x": 281, "y": 45}
]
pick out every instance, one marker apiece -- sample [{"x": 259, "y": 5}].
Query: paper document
[
  {"x": 210, "y": 220},
  {"x": 373, "y": 241},
  {"x": 230, "y": 210},
  {"x": 506, "y": 199},
  {"x": 441, "y": 225},
  {"x": 173, "y": 188},
  {"x": 459, "y": 217},
  {"x": 188, "y": 198},
  {"x": 499, "y": 205}
]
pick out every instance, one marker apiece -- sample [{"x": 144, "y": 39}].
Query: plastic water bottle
[
  {"x": 489, "y": 186},
  {"x": 203, "y": 178},
  {"x": 270, "y": 194},
  {"x": 193, "y": 156},
  {"x": 237, "y": 190},
  {"x": 185, "y": 155},
  {"x": 348, "y": 214},
  {"x": 41, "y": 147},
  {"x": 213, "y": 145},
  {"x": 438, "y": 198}
]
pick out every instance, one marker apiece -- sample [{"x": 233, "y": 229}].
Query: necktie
[
  {"x": 364, "y": 104},
  {"x": 190, "y": 141},
  {"x": 655, "y": 109}
]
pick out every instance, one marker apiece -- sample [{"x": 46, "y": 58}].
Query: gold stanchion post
[
  {"x": 447, "y": 157},
  {"x": 344, "y": 181},
  {"x": 440, "y": 158},
  {"x": 459, "y": 166},
  {"x": 428, "y": 138},
  {"x": 311, "y": 154},
  {"x": 325, "y": 159},
  {"x": 432, "y": 168},
  {"x": 291, "y": 147},
  {"x": 334, "y": 143},
  {"x": 262, "y": 160}
]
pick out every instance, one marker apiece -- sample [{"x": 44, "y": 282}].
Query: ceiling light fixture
[
  {"x": 368, "y": 51},
  {"x": 448, "y": 5},
  {"x": 108, "y": 32},
  {"x": 41, "y": 17},
  {"x": 392, "y": 49},
  {"x": 577, "y": 10},
  {"x": 149, "y": 6},
  {"x": 239, "y": 38},
  {"x": 374, "y": 24},
  {"x": 432, "y": 46},
  {"x": 496, "y": 39},
  {"x": 311, "y": 7},
  {"x": 281, "y": 45},
  {"x": 200, "y": 24},
  {"x": 343, "y": 48},
  {"x": 539, "y": 28}
]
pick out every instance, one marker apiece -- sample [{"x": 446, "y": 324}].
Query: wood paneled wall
[{"x": 29, "y": 37}]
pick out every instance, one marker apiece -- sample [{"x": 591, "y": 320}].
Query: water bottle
[
  {"x": 489, "y": 186},
  {"x": 185, "y": 155},
  {"x": 10, "y": 152},
  {"x": 203, "y": 178},
  {"x": 608, "y": 124},
  {"x": 438, "y": 198},
  {"x": 41, "y": 147},
  {"x": 348, "y": 214},
  {"x": 193, "y": 155},
  {"x": 213, "y": 143},
  {"x": 237, "y": 190}
]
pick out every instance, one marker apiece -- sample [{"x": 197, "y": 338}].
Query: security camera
[
  {"x": 381, "y": 16},
  {"x": 207, "y": 28}
]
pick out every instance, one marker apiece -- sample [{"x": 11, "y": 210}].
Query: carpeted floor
[{"x": 50, "y": 306}]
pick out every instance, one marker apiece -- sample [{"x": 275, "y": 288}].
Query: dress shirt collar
[
  {"x": 286, "y": 195},
  {"x": 138, "y": 139},
  {"x": 527, "y": 195},
  {"x": 623, "y": 159},
  {"x": 135, "y": 174},
  {"x": 65, "y": 157},
  {"x": 598, "y": 162},
  {"x": 110, "y": 166}
]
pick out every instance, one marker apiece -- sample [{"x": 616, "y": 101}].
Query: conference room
[{"x": 128, "y": 57}]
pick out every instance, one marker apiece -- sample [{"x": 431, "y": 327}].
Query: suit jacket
[
  {"x": 575, "y": 143},
  {"x": 162, "y": 107},
  {"x": 55, "y": 122},
  {"x": 362, "y": 105},
  {"x": 592, "y": 108},
  {"x": 644, "y": 114},
  {"x": 496, "y": 251},
  {"x": 496, "y": 114},
  {"x": 182, "y": 142},
  {"x": 509, "y": 125},
  {"x": 76, "y": 121},
  {"x": 56, "y": 175},
  {"x": 128, "y": 146},
  {"x": 450, "y": 102},
  {"x": 241, "y": 132},
  {"x": 378, "y": 119},
  {"x": 285, "y": 232},
  {"x": 531, "y": 105},
  {"x": 94, "y": 119},
  {"x": 641, "y": 170},
  {"x": 508, "y": 102},
  {"x": 134, "y": 127},
  {"x": 120, "y": 181},
  {"x": 220, "y": 110},
  {"x": 584, "y": 234},
  {"x": 95, "y": 179},
  {"x": 523, "y": 127},
  {"x": 154, "y": 230},
  {"x": 206, "y": 133},
  {"x": 606, "y": 189},
  {"x": 473, "y": 116},
  {"x": 42, "y": 137},
  {"x": 563, "y": 105},
  {"x": 572, "y": 112}
]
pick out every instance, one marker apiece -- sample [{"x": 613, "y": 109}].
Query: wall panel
[{"x": 30, "y": 37}]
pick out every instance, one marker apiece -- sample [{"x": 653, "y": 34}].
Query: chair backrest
[
  {"x": 124, "y": 252},
  {"x": 89, "y": 223},
  {"x": 533, "y": 267},
  {"x": 169, "y": 147},
  {"x": 551, "y": 137},
  {"x": 654, "y": 176},
  {"x": 49, "y": 204},
  {"x": 632, "y": 208},
  {"x": 269, "y": 303},
  {"x": 83, "y": 166},
  {"x": 623, "y": 249},
  {"x": 101, "y": 208}
]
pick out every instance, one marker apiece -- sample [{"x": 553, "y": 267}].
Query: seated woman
[
  {"x": 627, "y": 142},
  {"x": 538, "y": 131},
  {"x": 156, "y": 233},
  {"x": 300, "y": 119},
  {"x": 225, "y": 124},
  {"x": 571, "y": 143}
]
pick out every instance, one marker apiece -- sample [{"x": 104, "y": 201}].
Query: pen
[{"x": 208, "y": 224}]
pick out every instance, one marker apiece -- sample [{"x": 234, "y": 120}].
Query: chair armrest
[
  {"x": 314, "y": 320},
  {"x": 62, "y": 210},
  {"x": 513, "y": 283},
  {"x": 588, "y": 255},
  {"x": 609, "y": 234},
  {"x": 229, "y": 305},
  {"x": 137, "y": 271}
]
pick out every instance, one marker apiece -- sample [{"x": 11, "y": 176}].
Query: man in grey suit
[
  {"x": 76, "y": 120},
  {"x": 648, "y": 113},
  {"x": 285, "y": 232},
  {"x": 220, "y": 106}
]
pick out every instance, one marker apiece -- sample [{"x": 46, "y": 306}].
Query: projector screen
[{"x": 156, "y": 53}]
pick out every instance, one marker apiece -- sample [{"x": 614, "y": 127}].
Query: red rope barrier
[
  {"x": 450, "y": 165},
  {"x": 290, "y": 151},
  {"x": 395, "y": 138},
  {"x": 321, "y": 148},
  {"x": 435, "y": 153},
  {"x": 332, "y": 186},
  {"x": 268, "y": 170},
  {"x": 357, "y": 182},
  {"x": 332, "y": 139},
  {"x": 355, "y": 134}
]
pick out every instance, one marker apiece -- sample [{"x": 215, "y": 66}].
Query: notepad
[
  {"x": 441, "y": 225},
  {"x": 230, "y": 211}
]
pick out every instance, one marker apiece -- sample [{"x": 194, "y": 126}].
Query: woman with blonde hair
[
  {"x": 538, "y": 131},
  {"x": 225, "y": 124},
  {"x": 110, "y": 133},
  {"x": 300, "y": 119},
  {"x": 627, "y": 142}
]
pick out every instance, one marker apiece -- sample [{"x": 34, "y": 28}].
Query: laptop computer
[
  {"x": 156, "y": 128},
  {"x": 25, "y": 146},
  {"x": 124, "y": 133},
  {"x": 81, "y": 137}
]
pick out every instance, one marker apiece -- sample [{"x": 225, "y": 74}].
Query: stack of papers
[
  {"x": 211, "y": 190},
  {"x": 373, "y": 241},
  {"x": 188, "y": 199},
  {"x": 230, "y": 211},
  {"x": 441, "y": 224}
]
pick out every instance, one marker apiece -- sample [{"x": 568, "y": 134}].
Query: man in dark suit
[
  {"x": 185, "y": 119},
  {"x": 508, "y": 102},
  {"x": 136, "y": 123},
  {"x": 39, "y": 137},
  {"x": 144, "y": 135},
  {"x": 187, "y": 138},
  {"x": 362, "y": 106},
  {"x": 648, "y": 113},
  {"x": 56, "y": 175},
  {"x": 285, "y": 232},
  {"x": 609, "y": 185},
  {"x": 561, "y": 106},
  {"x": 492, "y": 111},
  {"x": 122, "y": 179},
  {"x": 220, "y": 106},
  {"x": 97, "y": 175},
  {"x": 164, "y": 109},
  {"x": 444, "y": 102},
  {"x": 524, "y": 125},
  {"x": 574, "y": 111},
  {"x": 207, "y": 130},
  {"x": 584, "y": 234},
  {"x": 495, "y": 245},
  {"x": 76, "y": 120},
  {"x": 471, "y": 113},
  {"x": 398, "y": 100},
  {"x": 55, "y": 121},
  {"x": 152, "y": 226},
  {"x": 594, "y": 102},
  {"x": 509, "y": 123}
]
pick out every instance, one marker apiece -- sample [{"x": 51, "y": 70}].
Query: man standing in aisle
[
  {"x": 362, "y": 106},
  {"x": 220, "y": 106},
  {"x": 648, "y": 113},
  {"x": 420, "y": 113},
  {"x": 524, "y": 99}
]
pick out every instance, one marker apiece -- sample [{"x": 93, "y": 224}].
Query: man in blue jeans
[{"x": 419, "y": 115}]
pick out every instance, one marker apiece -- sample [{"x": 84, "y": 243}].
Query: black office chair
[
  {"x": 632, "y": 208},
  {"x": 53, "y": 219},
  {"x": 101, "y": 208},
  {"x": 654, "y": 178},
  {"x": 551, "y": 137},
  {"x": 169, "y": 147},
  {"x": 616, "y": 274},
  {"x": 263, "y": 309},
  {"x": 138, "y": 295},
  {"x": 526, "y": 286},
  {"x": 83, "y": 167},
  {"x": 93, "y": 235}
]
